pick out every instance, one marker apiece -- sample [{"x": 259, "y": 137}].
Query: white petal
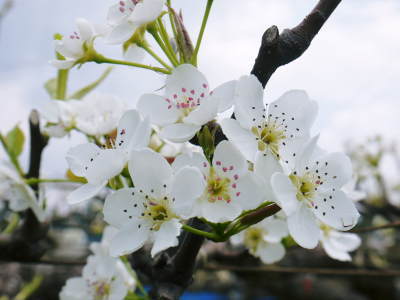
[
  {"x": 134, "y": 53},
  {"x": 188, "y": 185},
  {"x": 127, "y": 127},
  {"x": 204, "y": 113},
  {"x": 150, "y": 172},
  {"x": 85, "y": 29},
  {"x": 141, "y": 139},
  {"x": 180, "y": 132},
  {"x": 243, "y": 139},
  {"x": 336, "y": 210},
  {"x": 161, "y": 111},
  {"x": 80, "y": 156},
  {"x": 116, "y": 15},
  {"x": 225, "y": 93},
  {"x": 69, "y": 48},
  {"x": 146, "y": 11},
  {"x": 118, "y": 289},
  {"x": 121, "y": 33},
  {"x": 270, "y": 253},
  {"x": 248, "y": 192},
  {"x": 249, "y": 105},
  {"x": 85, "y": 192},
  {"x": 265, "y": 166},
  {"x": 186, "y": 81},
  {"x": 192, "y": 159},
  {"x": 345, "y": 240},
  {"x": 63, "y": 64},
  {"x": 219, "y": 211},
  {"x": 123, "y": 206},
  {"x": 237, "y": 239},
  {"x": 333, "y": 252},
  {"x": 129, "y": 239},
  {"x": 285, "y": 193},
  {"x": 301, "y": 162},
  {"x": 166, "y": 236},
  {"x": 75, "y": 289},
  {"x": 276, "y": 229},
  {"x": 303, "y": 227},
  {"x": 228, "y": 161}
]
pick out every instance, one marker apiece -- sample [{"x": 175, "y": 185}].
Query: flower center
[
  {"x": 102, "y": 290},
  {"x": 306, "y": 186},
  {"x": 218, "y": 187},
  {"x": 269, "y": 135},
  {"x": 158, "y": 211},
  {"x": 252, "y": 238}
]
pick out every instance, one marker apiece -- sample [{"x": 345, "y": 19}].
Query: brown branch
[
  {"x": 319, "y": 271},
  {"x": 374, "y": 228},
  {"x": 29, "y": 243},
  {"x": 280, "y": 49}
]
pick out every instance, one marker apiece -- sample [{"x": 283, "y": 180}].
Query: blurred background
[{"x": 352, "y": 69}]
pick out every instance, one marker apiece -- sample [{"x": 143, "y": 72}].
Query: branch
[
  {"x": 374, "y": 228},
  {"x": 29, "y": 243},
  {"x": 172, "y": 274},
  {"x": 280, "y": 49}
]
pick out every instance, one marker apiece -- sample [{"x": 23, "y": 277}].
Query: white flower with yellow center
[
  {"x": 312, "y": 191},
  {"x": 99, "y": 165},
  {"x": 338, "y": 244},
  {"x": 230, "y": 187},
  {"x": 73, "y": 46},
  {"x": 152, "y": 210},
  {"x": 263, "y": 240},
  {"x": 278, "y": 129},
  {"x": 187, "y": 104},
  {"x": 126, "y": 16}
]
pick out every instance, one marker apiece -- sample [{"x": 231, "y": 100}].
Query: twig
[
  {"x": 280, "y": 49},
  {"x": 374, "y": 228}
]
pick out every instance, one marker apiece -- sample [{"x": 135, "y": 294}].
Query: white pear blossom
[
  {"x": 277, "y": 129},
  {"x": 126, "y": 16},
  {"x": 230, "y": 187},
  {"x": 151, "y": 211},
  {"x": 73, "y": 46},
  {"x": 312, "y": 191},
  {"x": 99, "y": 165},
  {"x": 19, "y": 195},
  {"x": 187, "y": 104},
  {"x": 338, "y": 244},
  {"x": 263, "y": 240},
  {"x": 96, "y": 114}
]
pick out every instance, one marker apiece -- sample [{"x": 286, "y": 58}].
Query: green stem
[
  {"x": 29, "y": 288},
  {"x": 12, "y": 157},
  {"x": 128, "y": 266},
  {"x": 209, "y": 235},
  {"x": 159, "y": 41},
  {"x": 12, "y": 224},
  {"x": 171, "y": 20},
  {"x": 31, "y": 181},
  {"x": 155, "y": 56},
  {"x": 165, "y": 37},
  {"x": 201, "y": 33},
  {"x": 62, "y": 79},
  {"x": 100, "y": 59}
]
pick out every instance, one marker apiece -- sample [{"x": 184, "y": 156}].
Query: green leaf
[
  {"x": 87, "y": 89},
  {"x": 206, "y": 141},
  {"x": 15, "y": 140},
  {"x": 51, "y": 87}
]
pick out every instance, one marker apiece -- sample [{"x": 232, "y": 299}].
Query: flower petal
[
  {"x": 276, "y": 229},
  {"x": 85, "y": 29},
  {"x": 150, "y": 172},
  {"x": 285, "y": 193},
  {"x": 146, "y": 11},
  {"x": 228, "y": 161},
  {"x": 192, "y": 159},
  {"x": 270, "y": 253},
  {"x": 123, "y": 206},
  {"x": 80, "y": 156},
  {"x": 85, "y": 192},
  {"x": 265, "y": 166},
  {"x": 219, "y": 211},
  {"x": 63, "y": 64},
  {"x": 121, "y": 33},
  {"x": 333, "y": 252},
  {"x": 160, "y": 110},
  {"x": 166, "y": 236},
  {"x": 180, "y": 132},
  {"x": 303, "y": 227},
  {"x": 129, "y": 239},
  {"x": 188, "y": 185},
  {"x": 205, "y": 112},
  {"x": 226, "y": 95},
  {"x": 336, "y": 210},
  {"x": 344, "y": 240},
  {"x": 248, "y": 192},
  {"x": 243, "y": 139},
  {"x": 116, "y": 15},
  {"x": 249, "y": 105},
  {"x": 134, "y": 53}
]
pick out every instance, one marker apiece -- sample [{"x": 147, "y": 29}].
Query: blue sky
[{"x": 352, "y": 68}]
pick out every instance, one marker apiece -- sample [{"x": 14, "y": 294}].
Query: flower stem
[
  {"x": 12, "y": 224},
  {"x": 29, "y": 288},
  {"x": 201, "y": 33},
  {"x": 62, "y": 79},
  {"x": 159, "y": 41},
  {"x": 100, "y": 59},
  {"x": 209, "y": 235},
  {"x": 171, "y": 20},
  {"x": 155, "y": 56},
  {"x": 165, "y": 37},
  {"x": 128, "y": 267},
  {"x": 11, "y": 155}
]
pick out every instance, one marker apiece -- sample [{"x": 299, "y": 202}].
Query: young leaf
[
  {"x": 15, "y": 141},
  {"x": 51, "y": 87}
]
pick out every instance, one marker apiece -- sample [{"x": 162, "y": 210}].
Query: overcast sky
[{"x": 352, "y": 67}]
